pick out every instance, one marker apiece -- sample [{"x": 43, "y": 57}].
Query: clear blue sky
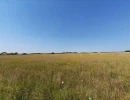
[{"x": 64, "y": 25}]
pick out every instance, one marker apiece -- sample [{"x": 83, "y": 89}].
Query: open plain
[{"x": 65, "y": 77}]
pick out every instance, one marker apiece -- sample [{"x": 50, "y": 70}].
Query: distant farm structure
[{"x": 5, "y": 53}]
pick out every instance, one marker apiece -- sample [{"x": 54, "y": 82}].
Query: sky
[{"x": 64, "y": 25}]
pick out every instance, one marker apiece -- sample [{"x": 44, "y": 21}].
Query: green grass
[{"x": 65, "y": 77}]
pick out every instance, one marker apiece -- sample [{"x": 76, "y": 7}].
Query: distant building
[{"x": 4, "y": 53}]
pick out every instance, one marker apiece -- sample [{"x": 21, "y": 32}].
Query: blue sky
[{"x": 64, "y": 25}]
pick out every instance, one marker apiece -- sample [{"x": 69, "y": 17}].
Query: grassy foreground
[{"x": 65, "y": 77}]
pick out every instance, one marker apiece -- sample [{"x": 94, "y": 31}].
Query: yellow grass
[{"x": 65, "y": 77}]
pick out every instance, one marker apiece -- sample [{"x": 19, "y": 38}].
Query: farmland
[{"x": 65, "y": 77}]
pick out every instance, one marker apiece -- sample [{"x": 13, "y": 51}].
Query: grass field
[{"x": 65, "y": 77}]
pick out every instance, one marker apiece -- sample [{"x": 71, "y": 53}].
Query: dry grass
[{"x": 65, "y": 77}]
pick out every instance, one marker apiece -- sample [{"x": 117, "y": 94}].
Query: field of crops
[{"x": 65, "y": 77}]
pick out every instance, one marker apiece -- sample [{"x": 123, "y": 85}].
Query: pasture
[{"x": 65, "y": 77}]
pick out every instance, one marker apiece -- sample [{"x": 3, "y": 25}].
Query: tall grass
[{"x": 65, "y": 77}]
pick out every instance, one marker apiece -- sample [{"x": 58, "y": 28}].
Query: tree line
[{"x": 16, "y": 53}]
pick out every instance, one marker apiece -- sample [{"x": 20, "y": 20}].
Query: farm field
[{"x": 65, "y": 77}]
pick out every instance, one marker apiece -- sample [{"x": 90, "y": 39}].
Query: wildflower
[
  {"x": 89, "y": 98},
  {"x": 62, "y": 82}
]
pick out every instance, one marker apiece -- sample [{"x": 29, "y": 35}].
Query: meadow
[{"x": 65, "y": 77}]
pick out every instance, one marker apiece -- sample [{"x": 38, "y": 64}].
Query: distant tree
[
  {"x": 24, "y": 54},
  {"x": 11, "y": 53},
  {"x": 16, "y": 53},
  {"x": 52, "y": 53},
  {"x": 127, "y": 51},
  {"x": 95, "y": 52}
]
